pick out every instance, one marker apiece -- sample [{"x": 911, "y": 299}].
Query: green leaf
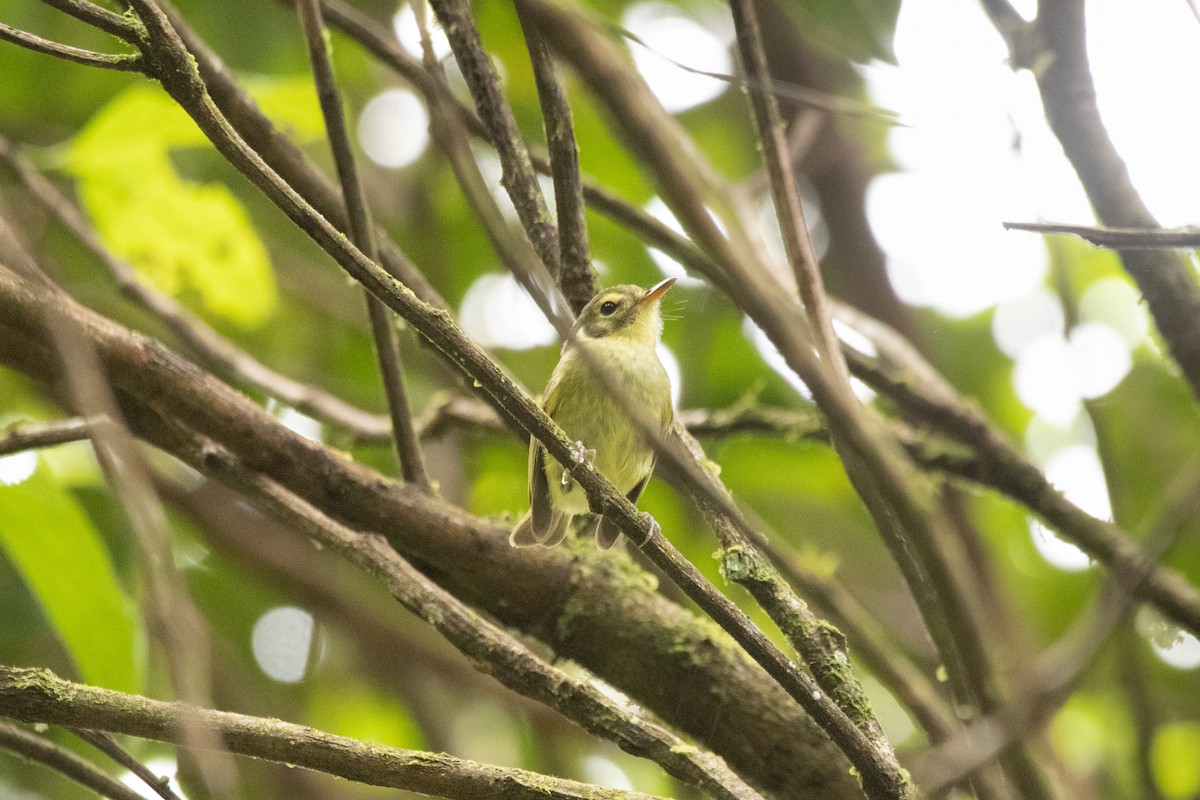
[
  {"x": 858, "y": 29},
  {"x": 291, "y": 103},
  {"x": 1173, "y": 760},
  {"x": 362, "y": 712},
  {"x": 181, "y": 235},
  {"x": 64, "y": 562}
]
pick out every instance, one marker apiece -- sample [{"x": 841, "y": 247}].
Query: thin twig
[
  {"x": 518, "y": 177},
  {"x": 821, "y": 645},
  {"x": 108, "y": 745},
  {"x": 36, "y": 695},
  {"x": 362, "y": 233},
  {"x": 576, "y": 276},
  {"x": 803, "y": 95},
  {"x": 1118, "y": 238},
  {"x": 131, "y": 62},
  {"x": 782, "y": 180},
  {"x": 515, "y": 251},
  {"x": 108, "y": 21},
  {"x": 36, "y": 435},
  {"x": 63, "y": 761}
]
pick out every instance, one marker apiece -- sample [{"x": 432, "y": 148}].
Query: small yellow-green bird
[{"x": 619, "y": 328}]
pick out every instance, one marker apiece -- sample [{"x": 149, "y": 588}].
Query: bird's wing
[
  {"x": 560, "y": 523},
  {"x": 540, "y": 510},
  {"x": 636, "y": 491}
]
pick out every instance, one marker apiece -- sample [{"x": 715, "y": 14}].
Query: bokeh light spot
[
  {"x": 296, "y": 421},
  {"x": 669, "y": 267},
  {"x": 773, "y": 358},
  {"x": 1076, "y": 472},
  {"x": 1172, "y": 645},
  {"x": 162, "y": 767},
  {"x": 1046, "y": 379},
  {"x": 1173, "y": 760},
  {"x": 1021, "y": 320},
  {"x": 671, "y": 37},
  {"x": 1103, "y": 358},
  {"x": 1056, "y": 551},
  {"x": 671, "y": 365},
  {"x": 18, "y": 468},
  {"x": 404, "y": 24},
  {"x": 393, "y": 128},
  {"x": 600, "y": 771},
  {"x": 282, "y": 642},
  {"x": 498, "y": 312}
]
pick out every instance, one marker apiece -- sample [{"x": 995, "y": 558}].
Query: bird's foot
[
  {"x": 582, "y": 456},
  {"x": 653, "y": 528}
]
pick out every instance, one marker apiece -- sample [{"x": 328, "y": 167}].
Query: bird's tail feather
[{"x": 524, "y": 535}]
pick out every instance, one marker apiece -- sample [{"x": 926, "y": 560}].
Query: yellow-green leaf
[
  {"x": 180, "y": 234},
  {"x": 62, "y": 559},
  {"x": 291, "y": 103}
]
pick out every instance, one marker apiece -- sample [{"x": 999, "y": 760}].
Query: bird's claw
[
  {"x": 653, "y": 526},
  {"x": 580, "y": 455}
]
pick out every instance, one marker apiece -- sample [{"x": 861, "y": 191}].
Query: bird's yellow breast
[{"x": 582, "y": 404}]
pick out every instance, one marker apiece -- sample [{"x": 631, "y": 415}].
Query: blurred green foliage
[{"x": 62, "y": 559}]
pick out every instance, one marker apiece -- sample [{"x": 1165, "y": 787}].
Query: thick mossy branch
[{"x": 623, "y": 631}]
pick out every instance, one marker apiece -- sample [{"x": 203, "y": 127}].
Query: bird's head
[{"x": 626, "y": 313}]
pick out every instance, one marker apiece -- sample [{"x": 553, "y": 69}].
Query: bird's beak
[{"x": 657, "y": 291}]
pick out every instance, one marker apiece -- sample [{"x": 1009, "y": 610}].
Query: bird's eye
[{"x": 607, "y": 307}]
